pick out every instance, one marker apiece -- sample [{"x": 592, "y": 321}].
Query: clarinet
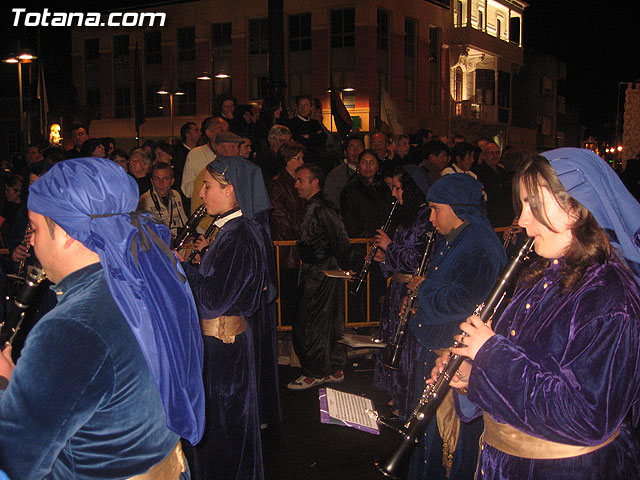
[
  {"x": 398, "y": 340},
  {"x": 359, "y": 278},
  {"x": 433, "y": 394},
  {"x": 189, "y": 228},
  {"x": 201, "y": 252},
  {"x": 21, "y": 303}
]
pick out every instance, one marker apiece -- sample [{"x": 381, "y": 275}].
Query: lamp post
[
  {"x": 171, "y": 94},
  {"x": 221, "y": 74},
  {"x": 23, "y": 57}
]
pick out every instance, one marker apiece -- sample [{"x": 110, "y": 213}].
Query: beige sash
[
  {"x": 514, "y": 442},
  {"x": 449, "y": 428},
  {"x": 401, "y": 277},
  {"x": 168, "y": 469},
  {"x": 223, "y": 327}
]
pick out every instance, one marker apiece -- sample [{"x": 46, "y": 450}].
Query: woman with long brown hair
[{"x": 557, "y": 376}]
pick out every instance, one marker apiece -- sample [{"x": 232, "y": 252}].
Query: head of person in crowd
[
  {"x": 409, "y": 188},
  {"x": 368, "y": 165},
  {"x": 309, "y": 180},
  {"x": 121, "y": 158},
  {"x": 109, "y": 145},
  {"x": 511, "y": 158},
  {"x": 423, "y": 135},
  {"x": 403, "y": 145},
  {"x": 436, "y": 153},
  {"x": 13, "y": 189},
  {"x": 34, "y": 153},
  {"x": 227, "y": 144},
  {"x": 224, "y": 105},
  {"x": 139, "y": 163},
  {"x": 387, "y": 172},
  {"x": 379, "y": 144},
  {"x": 353, "y": 147},
  {"x": 149, "y": 146},
  {"x": 278, "y": 136},
  {"x": 54, "y": 154},
  {"x": 462, "y": 154},
  {"x": 162, "y": 178},
  {"x": 458, "y": 138},
  {"x": 272, "y": 110},
  {"x": 491, "y": 154},
  {"x": 245, "y": 112},
  {"x": 35, "y": 173},
  {"x": 93, "y": 148},
  {"x": 483, "y": 141},
  {"x": 304, "y": 105},
  {"x": 190, "y": 133},
  {"x": 454, "y": 199},
  {"x": 212, "y": 126},
  {"x": 79, "y": 135},
  {"x": 316, "y": 112},
  {"x": 164, "y": 153},
  {"x": 291, "y": 155},
  {"x": 246, "y": 148},
  {"x": 444, "y": 139}
]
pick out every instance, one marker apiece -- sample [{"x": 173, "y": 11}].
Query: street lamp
[
  {"x": 23, "y": 57},
  {"x": 171, "y": 94}
]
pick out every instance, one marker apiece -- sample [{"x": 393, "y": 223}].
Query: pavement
[{"x": 306, "y": 449}]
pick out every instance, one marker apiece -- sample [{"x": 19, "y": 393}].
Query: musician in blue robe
[
  {"x": 110, "y": 378},
  {"x": 230, "y": 286},
  {"x": 399, "y": 259},
  {"x": 558, "y": 376},
  {"x": 466, "y": 264}
]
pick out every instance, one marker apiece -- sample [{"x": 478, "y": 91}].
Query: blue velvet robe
[
  {"x": 230, "y": 281},
  {"x": 81, "y": 402},
  {"x": 402, "y": 255},
  {"x": 460, "y": 277},
  {"x": 565, "y": 368}
]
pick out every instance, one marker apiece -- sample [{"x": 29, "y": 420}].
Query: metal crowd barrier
[{"x": 284, "y": 325}]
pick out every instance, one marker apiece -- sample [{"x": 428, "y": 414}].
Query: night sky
[{"x": 598, "y": 41}]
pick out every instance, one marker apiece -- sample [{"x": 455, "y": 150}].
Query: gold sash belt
[
  {"x": 514, "y": 442},
  {"x": 401, "y": 277},
  {"x": 168, "y": 469},
  {"x": 224, "y": 327}
]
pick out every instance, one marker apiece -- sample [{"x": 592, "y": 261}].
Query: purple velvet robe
[
  {"x": 230, "y": 281},
  {"x": 402, "y": 255},
  {"x": 565, "y": 368}
]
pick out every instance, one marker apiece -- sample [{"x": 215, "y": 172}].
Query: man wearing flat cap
[
  {"x": 110, "y": 379},
  {"x": 465, "y": 265}
]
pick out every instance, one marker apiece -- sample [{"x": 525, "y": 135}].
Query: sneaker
[
  {"x": 337, "y": 377},
  {"x": 303, "y": 383}
]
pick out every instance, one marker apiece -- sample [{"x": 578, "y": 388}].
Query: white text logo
[{"x": 89, "y": 19}]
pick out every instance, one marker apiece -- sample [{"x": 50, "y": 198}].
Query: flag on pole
[
  {"x": 137, "y": 92},
  {"x": 389, "y": 113},
  {"x": 44, "y": 102},
  {"x": 340, "y": 114}
]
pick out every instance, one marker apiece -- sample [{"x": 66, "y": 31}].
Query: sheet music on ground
[{"x": 347, "y": 409}]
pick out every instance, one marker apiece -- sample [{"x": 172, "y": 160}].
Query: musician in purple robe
[
  {"x": 557, "y": 377},
  {"x": 399, "y": 259},
  {"x": 230, "y": 287}
]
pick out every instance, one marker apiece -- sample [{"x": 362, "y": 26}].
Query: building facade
[{"x": 447, "y": 67}]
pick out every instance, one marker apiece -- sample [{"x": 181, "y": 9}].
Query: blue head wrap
[
  {"x": 247, "y": 182},
  {"x": 464, "y": 194},
  {"x": 596, "y": 186},
  {"x": 92, "y": 200}
]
